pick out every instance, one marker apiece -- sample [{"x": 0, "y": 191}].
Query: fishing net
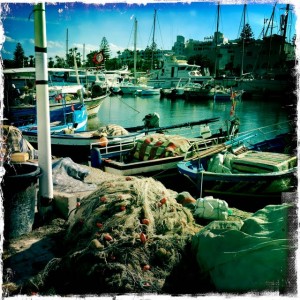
[
  {"x": 12, "y": 141},
  {"x": 111, "y": 130},
  {"x": 159, "y": 145},
  {"x": 127, "y": 237}
]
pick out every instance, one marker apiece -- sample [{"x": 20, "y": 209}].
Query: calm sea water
[{"x": 129, "y": 111}]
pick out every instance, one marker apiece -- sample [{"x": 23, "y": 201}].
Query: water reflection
[{"x": 129, "y": 111}]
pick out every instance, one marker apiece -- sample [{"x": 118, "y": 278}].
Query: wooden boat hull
[
  {"x": 157, "y": 168},
  {"x": 239, "y": 184}
]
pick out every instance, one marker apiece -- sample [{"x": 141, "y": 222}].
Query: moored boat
[
  {"x": 20, "y": 108},
  {"x": 157, "y": 154},
  {"x": 69, "y": 118},
  {"x": 148, "y": 92},
  {"x": 251, "y": 173},
  {"x": 174, "y": 71},
  {"x": 219, "y": 93}
]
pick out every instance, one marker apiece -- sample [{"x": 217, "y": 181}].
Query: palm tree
[{"x": 51, "y": 62}]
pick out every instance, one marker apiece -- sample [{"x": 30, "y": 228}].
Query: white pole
[
  {"x": 43, "y": 116},
  {"x": 135, "y": 57}
]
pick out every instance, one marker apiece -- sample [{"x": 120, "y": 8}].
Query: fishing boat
[
  {"x": 241, "y": 173},
  {"x": 130, "y": 162},
  {"x": 71, "y": 94},
  {"x": 24, "y": 114},
  {"x": 67, "y": 119},
  {"x": 147, "y": 92},
  {"x": 127, "y": 87},
  {"x": 106, "y": 139},
  {"x": 195, "y": 91},
  {"x": 77, "y": 145},
  {"x": 124, "y": 162},
  {"x": 219, "y": 93},
  {"x": 20, "y": 108},
  {"x": 157, "y": 154}
]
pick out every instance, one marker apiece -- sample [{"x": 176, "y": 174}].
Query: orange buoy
[{"x": 103, "y": 141}]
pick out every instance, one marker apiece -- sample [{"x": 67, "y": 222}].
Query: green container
[{"x": 19, "y": 188}]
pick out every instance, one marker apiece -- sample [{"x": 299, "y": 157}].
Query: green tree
[
  {"x": 8, "y": 63},
  {"x": 247, "y": 34},
  {"x": 202, "y": 61},
  {"x": 60, "y": 62},
  {"x": 70, "y": 57},
  {"x": 51, "y": 62},
  {"x": 31, "y": 61},
  {"x": 104, "y": 46},
  {"x": 89, "y": 59},
  {"x": 19, "y": 56},
  {"x": 112, "y": 64}
]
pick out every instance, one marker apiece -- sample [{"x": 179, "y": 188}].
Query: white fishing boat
[
  {"x": 127, "y": 87},
  {"x": 148, "y": 92},
  {"x": 76, "y": 145}
]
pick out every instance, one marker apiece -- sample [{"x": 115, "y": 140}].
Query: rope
[
  {"x": 201, "y": 184},
  {"x": 120, "y": 98}
]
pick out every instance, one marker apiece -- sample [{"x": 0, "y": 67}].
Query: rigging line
[
  {"x": 150, "y": 36},
  {"x": 162, "y": 43},
  {"x": 120, "y": 98},
  {"x": 132, "y": 28}
]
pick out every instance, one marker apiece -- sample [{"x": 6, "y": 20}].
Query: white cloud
[
  {"x": 9, "y": 39},
  {"x": 114, "y": 49},
  {"x": 88, "y": 47},
  {"x": 5, "y": 52},
  {"x": 54, "y": 44}
]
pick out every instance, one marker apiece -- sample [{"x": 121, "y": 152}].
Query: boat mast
[
  {"x": 153, "y": 43},
  {"x": 216, "y": 39},
  {"x": 243, "y": 44},
  {"x": 67, "y": 44},
  {"x": 135, "y": 54},
  {"x": 271, "y": 21},
  {"x": 43, "y": 115},
  {"x": 283, "y": 25}
]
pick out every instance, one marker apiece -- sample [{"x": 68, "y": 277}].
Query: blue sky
[{"x": 89, "y": 23}]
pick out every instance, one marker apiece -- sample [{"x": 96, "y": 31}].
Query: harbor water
[{"x": 129, "y": 111}]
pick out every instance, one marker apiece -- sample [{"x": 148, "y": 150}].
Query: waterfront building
[{"x": 261, "y": 56}]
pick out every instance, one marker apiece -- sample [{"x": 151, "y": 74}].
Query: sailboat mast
[
  {"x": 67, "y": 44},
  {"x": 284, "y": 26},
  {"x": 153, "y": 43},
  {"x": 272, "y": 22},
  {"x": 135, "y": 54},
  {"x": 216, "y": 39},
  {"x": 243, "y": 45}
]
